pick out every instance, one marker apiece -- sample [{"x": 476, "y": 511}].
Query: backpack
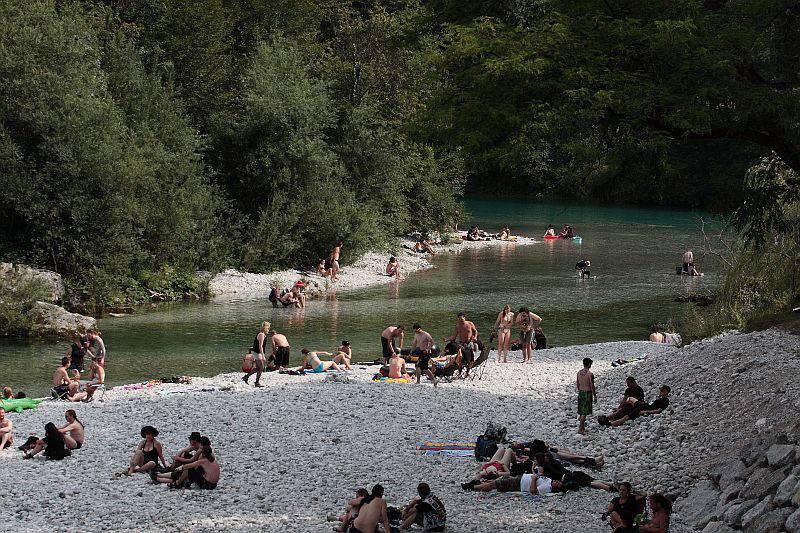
[{"x": 486, "y": 445}]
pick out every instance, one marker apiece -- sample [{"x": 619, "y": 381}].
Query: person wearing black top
[
  {"x": 582, "y": 268},
  {"x": 633, "y": 392},
  {"x": 624, "y": 508},
  {"x": 76, "y": 354},
  {"x": 655, "y": 407},
  {"x": 53, "y": 444}
]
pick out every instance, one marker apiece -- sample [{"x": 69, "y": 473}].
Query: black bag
[
  {"x": 485, "y": 449},
  {"x": 273, "y": 296}
]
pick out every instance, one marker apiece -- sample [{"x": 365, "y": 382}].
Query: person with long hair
[
  {"x": 505, "y": 319},
  {"x": 53, "y": 444},
  {"x": 258, "y": 354},
  {"x": 147, "y": 453},
  {"x": 72, "y": 430},
  {"x": 203, "y": 471}
]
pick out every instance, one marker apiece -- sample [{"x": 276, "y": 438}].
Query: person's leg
[
  {"x": 621, "y": 421},
  {"x": 5, "y": 438},
  {"x": 616, "y": 520},
  {"x": 149, "y": 465},
  {"x": 410, "y": 519},
  {"x": 498, "y": 455},
  {"x": 485, "y": 487},
  {"x": 327, "y": 365},
  {"x": 37, "y": 449},
  {"x": 136, "y": 461},
  {"x": 70, "y": 442},
  {"x": 582, "y": 424},
  {"x": 432, "y": 376},
  {"x": 77, "y": 397},
  {"x": 602, "y": 485},
  {"x": 505, "y": 337},
  {"x": 418, "y": 372},
  {"x": 508, "y": 455},
  {"x": 342, "y": 359},
  {"x": 259, "y": 369}
]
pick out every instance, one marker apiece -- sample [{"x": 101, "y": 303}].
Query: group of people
[
  {"x": 363, "y": 513},
  {"x": 257, "y": 362},
  {"x": 537, "y": 468},
  {"x": 631, "y": 406},
  {"x": 529, "y": 326},
  {"x": 194, "y": 464},
  {"x": 68, "y": 385},
  {"x": 332, "y": 269},
  {"x": 566, "y": 233},
  {"x": 58, "y": 441},
  {"x": 295, "y": 296},
  {"x": 476, "y": 234}
]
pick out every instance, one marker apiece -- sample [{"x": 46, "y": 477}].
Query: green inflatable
[{"x": 19, "y": 405}]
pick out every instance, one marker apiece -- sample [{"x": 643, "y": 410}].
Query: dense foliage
[{"x": 141, "y": 140}]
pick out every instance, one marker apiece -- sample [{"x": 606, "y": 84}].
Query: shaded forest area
[{"x": 141, "y": 140}]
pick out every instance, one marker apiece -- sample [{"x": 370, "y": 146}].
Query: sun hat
[
  {"x": 149, "y": 429},
  {"x": 195, "y": 436}
]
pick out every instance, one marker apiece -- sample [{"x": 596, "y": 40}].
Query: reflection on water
[{"x": 633, "y": 252}]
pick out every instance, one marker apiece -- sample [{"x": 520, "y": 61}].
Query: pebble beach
[{"x": 293, "y": 452}]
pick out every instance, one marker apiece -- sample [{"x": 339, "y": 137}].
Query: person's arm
[
  {"x": 473, "y": 332},
  {"x": 65, "y": 428},
  {"x": 385, "y": 517},
  {"x": 536, "y": 321},
  {"x": 594, "y": 389},
  {"x": 497, "y": 322},
  {"x": 101, "y": 375},
  {"x": 323, "y": 353},
  {"x": 160, "y": 451},
  {"x": 402, "y": 336},
  {"x": 578, "y": 381},
  {"x": 534, "y": 488},
  {"x": 650, "y": 412},
  {"x": 7, "y": 428}
]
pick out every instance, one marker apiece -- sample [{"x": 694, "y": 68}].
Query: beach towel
[
  {"x": 620, "y": 362},
  {"x": 394, "y": 380},
  {"x": 183, "y": 390}
]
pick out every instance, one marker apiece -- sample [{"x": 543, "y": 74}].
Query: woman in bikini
[
  {"x": 147, "y": 453},
  {"x": 503, "y": 328}
]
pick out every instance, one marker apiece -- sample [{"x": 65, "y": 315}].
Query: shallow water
[{"x": 634, "y": 252}]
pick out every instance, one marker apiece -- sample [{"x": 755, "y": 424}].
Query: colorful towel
[
  {"x": 438, "y": 446},
  {"x": 394, "y": 380}
]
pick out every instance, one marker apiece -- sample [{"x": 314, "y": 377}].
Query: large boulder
[
  {"x": 780, "y": 455},
  {"x": 772, "y": 522},
  {"x": 762, "y": 482},
  {"x": 16, "y": 273},
  {"x": 54, "y": 321},
  {"x": 786, "y": 490},
  {"x": 755, "y": 514},
  {"x": 793, "y": 522},
  {"x": 695, "y": 508},
  {"x": 734, "y": 513},
  {"x": 718, "y": 527}
]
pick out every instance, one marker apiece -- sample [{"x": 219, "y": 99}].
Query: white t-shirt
[{"x": 543, "y": 484}]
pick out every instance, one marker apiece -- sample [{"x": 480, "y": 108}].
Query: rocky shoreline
[
  {"x": 368, "y": 270},
  {"x": 293, "y": 452}
]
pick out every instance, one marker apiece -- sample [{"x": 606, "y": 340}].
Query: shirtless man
[
  {"x": 63, "y": 386},
  {"x": 72, "y": 430},
  {"x": 203, "y": 471},
  {"x": 688, "y": 262},
  {"x": 656, "y": 336},
  {"x": 334, "y": 258},
  {"x": 465, "y": 336},
  {"x": 586, "y": 393},
  {"x": 187, "y": 455},
  {"x": 397, "y": 368},
  {"x": 280, "y": 350},
  {"x": 527, "y": 322},
  {"x": 314, "y": 364},
  {"x": 6, "y": 440},
  {"x": 97, "y": 377},
  {"x": 373, "y": 512},
  {"x": 422, "y": 345},
  {"x": 343, "y": 355},
  {"x": 97, "y": 346},
  {"x": 387, "y": 341}
]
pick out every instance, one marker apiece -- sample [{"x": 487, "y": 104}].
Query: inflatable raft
[{"x": 17, "y": 405}]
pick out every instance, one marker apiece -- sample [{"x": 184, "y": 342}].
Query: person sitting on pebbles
[
  {"x": 344, "y": 354},
  {"x": 373, "y": 511},
  {"x": 351, "y": 510},
  {"x": 393, "y": 268},
  {"x": 321, "y": 270},
  {"x": 427, "y": 511},
  {"x": 623, "y": 509},
  {"x": 314, "y": 365},
  {"x": 6, "y": 440},
  {"x": 203, "y": 471},
  {"x": 629, "y": 412},
  {"x": 147, "y": 453},
  {"x": 424, "y": 247},
  {"x": 52, "y": 444},
  {"x": 530, "y": 449},
  {"x": 72, "y": 431},
  {"x": 186, "y": 455},
  {"x": 397, "y": 368}
]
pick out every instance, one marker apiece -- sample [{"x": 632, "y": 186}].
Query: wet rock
[{"x": 793, "y": 522}]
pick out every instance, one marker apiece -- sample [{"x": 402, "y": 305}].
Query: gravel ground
[{"x": 293, "y": 452}]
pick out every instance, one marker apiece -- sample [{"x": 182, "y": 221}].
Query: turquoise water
[{"x": 633, "y": 251}]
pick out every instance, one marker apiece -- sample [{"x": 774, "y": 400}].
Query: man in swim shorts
[
  {"x": 280, "y": 350},
  {"x": 388, "y": 336},
  {"x": 527, "y": 322},
  {"x": 63, "y": 387},
  {"x": 313, "y": 364},
  {"x": 422, "y": 346},
  {"x": 586, "y": 393}
]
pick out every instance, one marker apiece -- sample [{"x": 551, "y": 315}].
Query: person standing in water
[
  {"x": 587, "y": 394},
  {"x": 334, "y": 258},
  {"x": 258, "y": 354},
  {"x": 505, "y": 319}
]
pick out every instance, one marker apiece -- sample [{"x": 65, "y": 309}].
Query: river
[{"x": 634, "y": 252}]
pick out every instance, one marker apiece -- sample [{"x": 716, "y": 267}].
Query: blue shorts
[{"x": 319, "y": 369}]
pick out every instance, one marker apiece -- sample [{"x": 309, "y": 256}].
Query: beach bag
[
  {"x": 673, "y": 339},
  {"x": 495, "y": 432},
  {"x": 485, "y": 449}
]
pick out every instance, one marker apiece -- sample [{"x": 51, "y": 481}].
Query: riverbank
[
  {"x": 294, "y": 451},
  {"x": 368, "y": 270}
]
